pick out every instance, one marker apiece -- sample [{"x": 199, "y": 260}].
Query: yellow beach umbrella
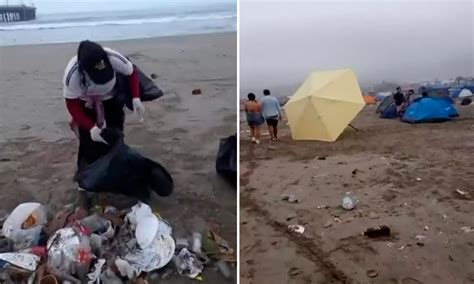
[{"x": 324, "y": 105}]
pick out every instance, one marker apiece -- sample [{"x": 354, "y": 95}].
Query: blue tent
[
  {"x": 430, "y": 110},
  {"x": 454, "y": 93},
  {"x": 389, "y": 112},
  {"x": 448, "y": 104}
]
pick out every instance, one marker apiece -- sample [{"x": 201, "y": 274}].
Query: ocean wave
[{"x": 117, "y": 22}]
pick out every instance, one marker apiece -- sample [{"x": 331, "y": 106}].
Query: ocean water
[{"x": 130, "y": 23}]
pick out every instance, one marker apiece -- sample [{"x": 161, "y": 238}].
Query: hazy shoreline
[{"x": 120, "y": 40}]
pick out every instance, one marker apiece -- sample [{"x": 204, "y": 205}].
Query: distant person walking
[
  {"x": 255, "y": 119},
  {"x": 399, "y": 99},
  {"x": 271, "y": 111}
]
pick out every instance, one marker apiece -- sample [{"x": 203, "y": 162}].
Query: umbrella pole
[{"x": 353, "y": 127}]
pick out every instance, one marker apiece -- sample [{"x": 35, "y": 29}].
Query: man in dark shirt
[{"x": 399, "y": 99}]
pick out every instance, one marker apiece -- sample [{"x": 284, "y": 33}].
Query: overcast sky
[{"x": 281, "y": 41}]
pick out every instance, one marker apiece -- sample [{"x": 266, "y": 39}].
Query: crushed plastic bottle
[{"x": 349, "y": 202}]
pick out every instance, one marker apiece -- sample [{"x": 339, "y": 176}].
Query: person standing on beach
[
  {"x": 88, "y": 88},
  {"x": 271, "y": 111},
  {"x": 254, "y": 117},
  {"x": 399, "y": 99}
]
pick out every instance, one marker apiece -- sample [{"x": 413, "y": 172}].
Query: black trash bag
[
  {"x": 226, "y": 161},
  {"x": 123, "y": 170},
  {"x": 149, "y": 91}
]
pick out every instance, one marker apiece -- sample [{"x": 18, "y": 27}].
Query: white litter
[
  {"x": 153, "y": 234},
  {"x": 23, "y": 260},
  {"x": 462, "y": 193},
  {"x": 188, "y": 264},
  {"x": 146, "y": 230},
  {"x": 12, "y": 228},
  {"x": 467, "y": 229},
  {"x": 420, "y": 237},
  {"x": 296, "y": 229},
  {"x": 349, "y": 202},
  {"x": 95, "y": 274}
]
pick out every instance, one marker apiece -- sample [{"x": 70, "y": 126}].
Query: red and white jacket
[{"x": 75, "y": 93}]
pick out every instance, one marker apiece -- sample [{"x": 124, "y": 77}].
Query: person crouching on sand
[
  {"x": 88, "y": 88},
  {"x": 254, "y": 117},
  {"x": 271, "y": 110}
]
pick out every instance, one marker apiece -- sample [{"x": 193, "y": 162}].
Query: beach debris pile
[{"x": 108, "y": 246}]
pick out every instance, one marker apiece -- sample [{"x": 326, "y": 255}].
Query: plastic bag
[
  {"x": 124, "y": 170},
  {"x": 148, "y": 89},
  {"x": 69, "y": 251},
  {"x": 226, "y": 161},
  {"x": 23, "y": 226},
  {"x": 187, "y": 263},
  {"x": 155, "y": 245}
]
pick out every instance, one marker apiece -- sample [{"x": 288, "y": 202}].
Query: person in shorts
[
  {"x": 271, "y": 111},
  {"x": 254, "y": 117}
]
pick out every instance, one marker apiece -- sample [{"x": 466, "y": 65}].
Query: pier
[{"x": 17, "y": 13}]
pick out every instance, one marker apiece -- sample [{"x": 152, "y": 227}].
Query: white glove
[
  {"x": 96, "y": 134},
  {"x": 138, "y": 108}
]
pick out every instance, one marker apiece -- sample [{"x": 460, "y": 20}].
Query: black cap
[{"x": 94, "y": 61}]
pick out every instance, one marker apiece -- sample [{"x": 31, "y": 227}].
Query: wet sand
[
  {"x": 405, "y": 177},
  {"x": 181, "y": 131}
]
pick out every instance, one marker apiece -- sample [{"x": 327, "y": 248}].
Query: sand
[
  {"x": 405, "y": 176},
  {"x": 181, "y": 131}
]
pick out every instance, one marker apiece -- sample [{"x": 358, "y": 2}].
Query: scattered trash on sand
[
  {"x": 109, "y": 246},
  {"x": 418, "y": 179},
  {"x": 349, "y": 202},
  {"x": 467, "y": 229},
  {"x": 372, "y": 273},
  {"x": 197, "y": 92},
  {"x": 426, "y": 228},
  {"x": 420, "y": 237},
  {"x": 291, "y": 198},
  {"x": 463, "y": 194},
  {"x": 296, "y": 229},
  {"x": 376, "y": 232}
]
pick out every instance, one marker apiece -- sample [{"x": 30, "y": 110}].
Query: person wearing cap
[{"x": 88, "y": 88}]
